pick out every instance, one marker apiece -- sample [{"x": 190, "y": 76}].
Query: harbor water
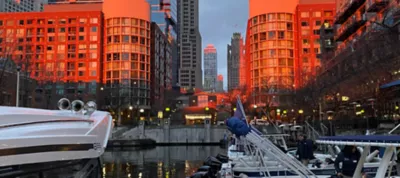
[{"x": 159, "y": 162}]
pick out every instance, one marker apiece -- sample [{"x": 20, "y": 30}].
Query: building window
[
  {"x": 306, "y": 50},
  {"x": 305, "y": 59},
  {"x": 289, "y": 26},
  {"x": 318, "y": 23},
  {"x": 316, "y": 50},
  {"x": 93, "y": 73},
  {"x": 316, "y": 42},
  {"x": 328, "y": 42},
  {"x": 93, "y": 29},
  {"x": 94, "y": 20},
  {"x": 271, "y": 35},
  {"x": 304, "y": 24},
  {"x": 316, "y": 32},
  {"x": 305, "y": 14},
  {"x": 328, "y": 13},
  {"x": 281, "y": 35},
  {"x": 317, "y": 14},
  {"x": 305, "y": 41},
  {"x": 93, "y": 38},
  {"x": 305, "y": 32}
]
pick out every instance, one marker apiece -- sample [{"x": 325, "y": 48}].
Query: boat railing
[
  {"x": 324, "y": 129},
  {"x": 271, "y": 121},
  {"x": 312, "y": 133},
  {"x": 394, "y": 129},
  {"x": 271, "y": 151}
]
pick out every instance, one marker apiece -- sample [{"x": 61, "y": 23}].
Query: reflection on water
[{"x": 160, "y": 162}]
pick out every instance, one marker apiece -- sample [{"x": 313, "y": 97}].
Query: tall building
[
  {"x": 282, "y": 47},
  {"x": 190, "y": 72},
  {"x": 21, "y": 5},
  {"x": 210, "y": 68},
  {"x": 271, "y": 51},
  {"x": 103, "y": 47},
  {"x": 164, "y": 13},
  {"x": 161, "y": 69},
  {"x": 364, "y": 66},
  {"x": 220, "y": 83},
  {"x": 311, "y": 15},
  {"x": 233, "y": 59}
]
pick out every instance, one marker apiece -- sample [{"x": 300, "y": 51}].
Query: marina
[{"x": 252, "y": 154}]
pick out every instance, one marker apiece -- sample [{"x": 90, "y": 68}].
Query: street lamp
[
  {"x": 101, "y": 88},
  {"x": 255, "y": 106},
  {"x": 17, "y": 97},
  {"x": 141, "y": 110},
  {"x": 130, "y": 107}
]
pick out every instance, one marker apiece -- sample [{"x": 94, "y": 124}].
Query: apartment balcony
[
  {"x": 376, "y": 5},
  {"x": 348, "y": 10},
  {"x": 350, "y": 27}
]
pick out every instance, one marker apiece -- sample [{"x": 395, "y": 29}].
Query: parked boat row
[{"x": 254, "y": 156}]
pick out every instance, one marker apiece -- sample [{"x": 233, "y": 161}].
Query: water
[{"x": 160, "y": 162}]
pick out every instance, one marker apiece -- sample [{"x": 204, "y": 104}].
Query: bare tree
[{"x": 8, "y": 46}]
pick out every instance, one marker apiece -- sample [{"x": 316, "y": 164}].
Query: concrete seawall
[{"x": 167, "y": 134}]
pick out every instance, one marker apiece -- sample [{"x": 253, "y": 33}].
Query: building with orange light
[
  {"x": 282, "y": 43},
  {"x": 271, "y": 51},
  {"x": 220, "y": 83},
  {"x": 365, "y": 58},
  {"x": 103, "y": 47},
  {"x": 311, "y": 15}
]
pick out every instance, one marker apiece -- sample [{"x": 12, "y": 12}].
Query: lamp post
[{"x": 17, "y": 97}]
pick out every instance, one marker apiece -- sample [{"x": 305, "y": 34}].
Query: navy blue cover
[
  {"x": 364, "y": 138},
  {"x": 237, "y": 126},
  {"x": 394, "y": 83}
]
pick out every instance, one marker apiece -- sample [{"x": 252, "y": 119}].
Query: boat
[
  {"x": 76, "y": 131},
  {"x": 257, "y": 157}
]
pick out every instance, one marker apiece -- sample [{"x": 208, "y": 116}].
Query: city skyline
[{"x": 218, "y": 24}]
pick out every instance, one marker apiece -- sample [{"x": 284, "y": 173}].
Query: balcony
[
  {"x": 376, "y": 5},
  {"x": 348, "y": 10},
  {"x": 350, "y": 27}
]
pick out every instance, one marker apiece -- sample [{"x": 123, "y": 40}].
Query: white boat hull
[{"x": 36, "y": 136}]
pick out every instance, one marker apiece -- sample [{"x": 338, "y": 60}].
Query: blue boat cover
[
  {"x": 364, "y": 138},
  {"x": 237, "y": 126},
  {"x": 394, "y": 83}
]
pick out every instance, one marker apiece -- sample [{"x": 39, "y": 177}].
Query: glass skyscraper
[{"x": 164, "y": 14}]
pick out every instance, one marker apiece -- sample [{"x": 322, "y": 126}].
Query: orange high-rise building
[
  {"x": 274, "y": 47},
  {"x": 311, "y": 15},
  {"x": 104, "y": 44},
  {"x": 271, "y": 51}
]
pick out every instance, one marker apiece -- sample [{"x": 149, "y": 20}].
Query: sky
[{"x": 219, "y": 19}]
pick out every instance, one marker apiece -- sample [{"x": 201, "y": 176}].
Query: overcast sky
[{"x": 219, "y": 19}]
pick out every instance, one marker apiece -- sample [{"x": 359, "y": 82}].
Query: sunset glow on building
[
  {"x": 65, "y": 43},
  {"x": 270, "y": 50},
  {"x": 282, "y": 43}
]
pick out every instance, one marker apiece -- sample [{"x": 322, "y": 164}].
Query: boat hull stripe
[
  {"x": 42, "y": 122},
  {"x": 45, "y": 148}
]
